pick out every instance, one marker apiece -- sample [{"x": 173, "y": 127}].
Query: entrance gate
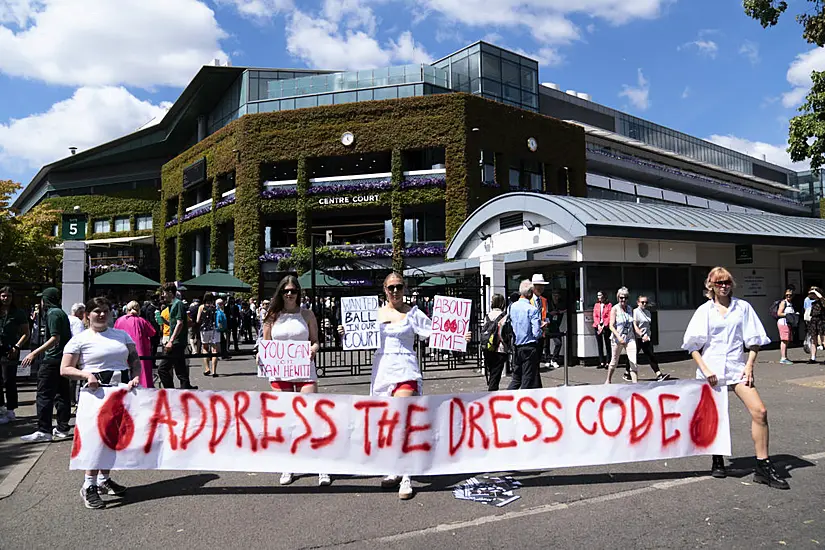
[{"x": 333, "y": 361}]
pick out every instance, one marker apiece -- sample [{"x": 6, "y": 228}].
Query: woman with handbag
[
  {"x": 787, "y": 319},
  {"x": 816, "y": 322}
]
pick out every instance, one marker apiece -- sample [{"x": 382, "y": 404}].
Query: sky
[{"x": 83, "y": 72}]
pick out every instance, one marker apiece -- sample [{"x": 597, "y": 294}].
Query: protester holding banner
[
  {"x": 623, "y": 335},
  {"x": 287, "y": 320},
  {"x": 716, "y": 337},
  {"x": 101, "y": 355},
  {"x": 395, "y": 369}
]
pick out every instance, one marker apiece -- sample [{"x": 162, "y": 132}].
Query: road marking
[
  {"x": 548, "y": 508},
  {"x": 19, "y": 471}
]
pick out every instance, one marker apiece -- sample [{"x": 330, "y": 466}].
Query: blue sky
[{"x": 82, "y": 72}]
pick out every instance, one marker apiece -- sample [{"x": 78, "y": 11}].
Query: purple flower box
[
  {"x": 274, "y": 256},
  {"x": 367, "y": 251},
  {"x": 490, "y": 184},
  {"x": 171, "y": 223},
  {"x": 279, "y": 192},
  {"x": 225, "y": 202},
  {"x": 419, "y": 182},
  {"x": 197, "y": 212},
  {"x": 350, "y": 187}
]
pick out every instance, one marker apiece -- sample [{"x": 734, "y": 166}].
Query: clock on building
[
  {"x": 347, "y": 138},
  {"x": 532, "y": 144}
]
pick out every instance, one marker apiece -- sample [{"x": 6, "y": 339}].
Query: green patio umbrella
[
  {"x": 125, "y": 278},
  {"x": 438, "y": 281},
  {"x": 217, "y": 280},
  {"x": 321, "y": 279}
]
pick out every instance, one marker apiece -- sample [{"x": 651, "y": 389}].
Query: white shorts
[{"x": 210, "y": 337}]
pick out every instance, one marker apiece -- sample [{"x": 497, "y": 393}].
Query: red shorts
[
  {"x": 279, "y": 385},
  {"x": 784, "y": 333},
  {"x": 409, "y": 385}
]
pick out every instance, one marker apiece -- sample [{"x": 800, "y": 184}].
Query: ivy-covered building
[{"x": 381, "y": 166}]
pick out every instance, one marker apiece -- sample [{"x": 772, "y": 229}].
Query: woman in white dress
[
  {"x": 724, "y": 337},
  {"x": 395, "y": 369},
  {"x": 623, "y": 336},
  {"x": 287, "y": 320},
  {"x": 101, "y": 355}
]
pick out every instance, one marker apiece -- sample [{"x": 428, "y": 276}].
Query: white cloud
[
  {"x": 707, "y": 48},
  {"x": 547, "y": 57},
  {"x": 686, "y": 92},
  {"x": 799, "y": 75},
  {"x": 142, "y": 43},
  {"x": 92, "y": 116},
  {"x": 352, "y": 13},
  {"x": 16, "y": 11},
  {"x": 639, "y": 95},
  {"x": 776, "y": 154},
  {"x": 320, "y": 42},
  {"x": 751, "y": 51},
  {"x": 257, "y": 8}
]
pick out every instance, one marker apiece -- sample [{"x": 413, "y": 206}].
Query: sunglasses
[
  {"x": 288, "y": 291},
  {"x": 395, "y": 288},
  {"x": 622, "y": 297},
  {"x": 726, "y": 282},
  {"x": 643, "y": 302}
]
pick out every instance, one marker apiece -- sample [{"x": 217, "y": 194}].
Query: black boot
[
  {"x": 718, "y": 469},
  {"x": 766, "y": 474}
]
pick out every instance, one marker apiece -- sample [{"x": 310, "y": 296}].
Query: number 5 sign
[{"x": 74, "y": 228}]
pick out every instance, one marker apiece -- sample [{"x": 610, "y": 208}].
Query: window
[
  {"x": 674, "y": 288},
  {"x": 641, "y": 281},
  {"x": 601, "y": 278},
  {"x": 514, "y": 178},
  {"x": 144, "y": 223},
  {"x": 102, "y": 226},
  {"x": 122, "y": 224}
]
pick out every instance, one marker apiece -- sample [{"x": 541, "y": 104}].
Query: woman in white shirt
[
  {"x": 641, "y": 325},
  {"x": 785, "y": 328},
  {"x": 101, "y": 355},
  {"x": 717, "y": 337},
  {"x": 623, "y": 335}
]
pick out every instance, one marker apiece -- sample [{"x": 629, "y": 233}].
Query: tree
[
  {"x": 28, "y": 249},
  {"x": 806, "y": 134}
]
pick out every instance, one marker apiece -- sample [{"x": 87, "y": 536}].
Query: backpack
[
  {"x": 490, "y": 337},
  {"x": 508, "y": 336},
  {"x": 775, "y": 309}
]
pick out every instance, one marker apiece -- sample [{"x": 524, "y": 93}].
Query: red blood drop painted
[
  {"x": 76, "y": 442},
  {"x": 114, "y": 422},
  {"x": 705, "y": 421}
]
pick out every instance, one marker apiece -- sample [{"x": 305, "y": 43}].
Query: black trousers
[
  {"x": 53, "y": 391},
  {"x": 603, "y": 343},
  {"x": 555, "y": 339},
  {"x": 526, "y": 369},
  {"x": 235, "y": 336},
  {"x": 494, "y": 365},
  {"x": 8, "y": 380},
  {"x": 176, "y": 361},
  {"x": 647, "y": 347},
  {"x": 224, "y": 345}
]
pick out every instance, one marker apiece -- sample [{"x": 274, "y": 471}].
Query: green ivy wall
[{"x": 462, "y": 124}]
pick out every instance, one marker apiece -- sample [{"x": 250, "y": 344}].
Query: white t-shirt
[
  {"x": 76, "y": 325},
  {"x": 100, "y": 351}
]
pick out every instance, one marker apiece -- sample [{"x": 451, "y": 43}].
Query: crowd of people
[{"x": 93, "y": 348}]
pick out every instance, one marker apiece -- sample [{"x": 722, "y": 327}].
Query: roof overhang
[
  {"x": 585, "y": 217},
  {"x": 143, "y": 239}
]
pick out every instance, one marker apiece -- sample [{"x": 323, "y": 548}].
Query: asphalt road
[{"x": 660, "y": 504}]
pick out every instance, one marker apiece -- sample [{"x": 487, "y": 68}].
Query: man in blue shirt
[{"x": 527, "y": 330}]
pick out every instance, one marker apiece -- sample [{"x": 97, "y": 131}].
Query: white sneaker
[
  {"x": 390, "y": 481},
  {"x": 820, "y": 348},
  {"x": 554, "y": 364},
  {"x": 405, "y": 490},
  {"x": 57, "y": 435},
  {"x": 37, "y": 437},
  {"x": 286, "y": 478},
  {"x": 324, "y": 480}
]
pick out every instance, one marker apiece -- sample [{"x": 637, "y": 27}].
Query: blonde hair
[
  {"x": 133, "y": 306},
  {"x": 717, "y": 273}
]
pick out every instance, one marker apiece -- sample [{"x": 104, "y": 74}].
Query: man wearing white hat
[{"x": 540, "y": 302}]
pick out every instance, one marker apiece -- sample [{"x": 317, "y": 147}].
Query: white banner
[
  {"x": 359, "y": 316},
  {"x": 451, "y": 321},
  {"x": 284, "y": 359},
  {"x": 441, "y": 434}
]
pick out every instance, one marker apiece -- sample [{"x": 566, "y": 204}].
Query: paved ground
[{"x": 662, "y": 504}]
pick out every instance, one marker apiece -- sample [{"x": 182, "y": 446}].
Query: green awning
[
  {"x": 217, "y": 280},
  {"x": 125, "y": 278},
  {"x": 321, "y": 279},
  {"x": 438, "y": 281}
]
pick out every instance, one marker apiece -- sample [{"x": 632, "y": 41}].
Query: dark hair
[
  {"x": 515, "y": 297},
  {"x": 97, "y": 302},
  {"x": 208, "y": 298},
  {"x": 276, "y": 305},
  {"x": 170, "y": 287},
  {"x": 391, "y": 275},
  {"x": 7, "y": 290},
  {"x": 498, "y": 301}
]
